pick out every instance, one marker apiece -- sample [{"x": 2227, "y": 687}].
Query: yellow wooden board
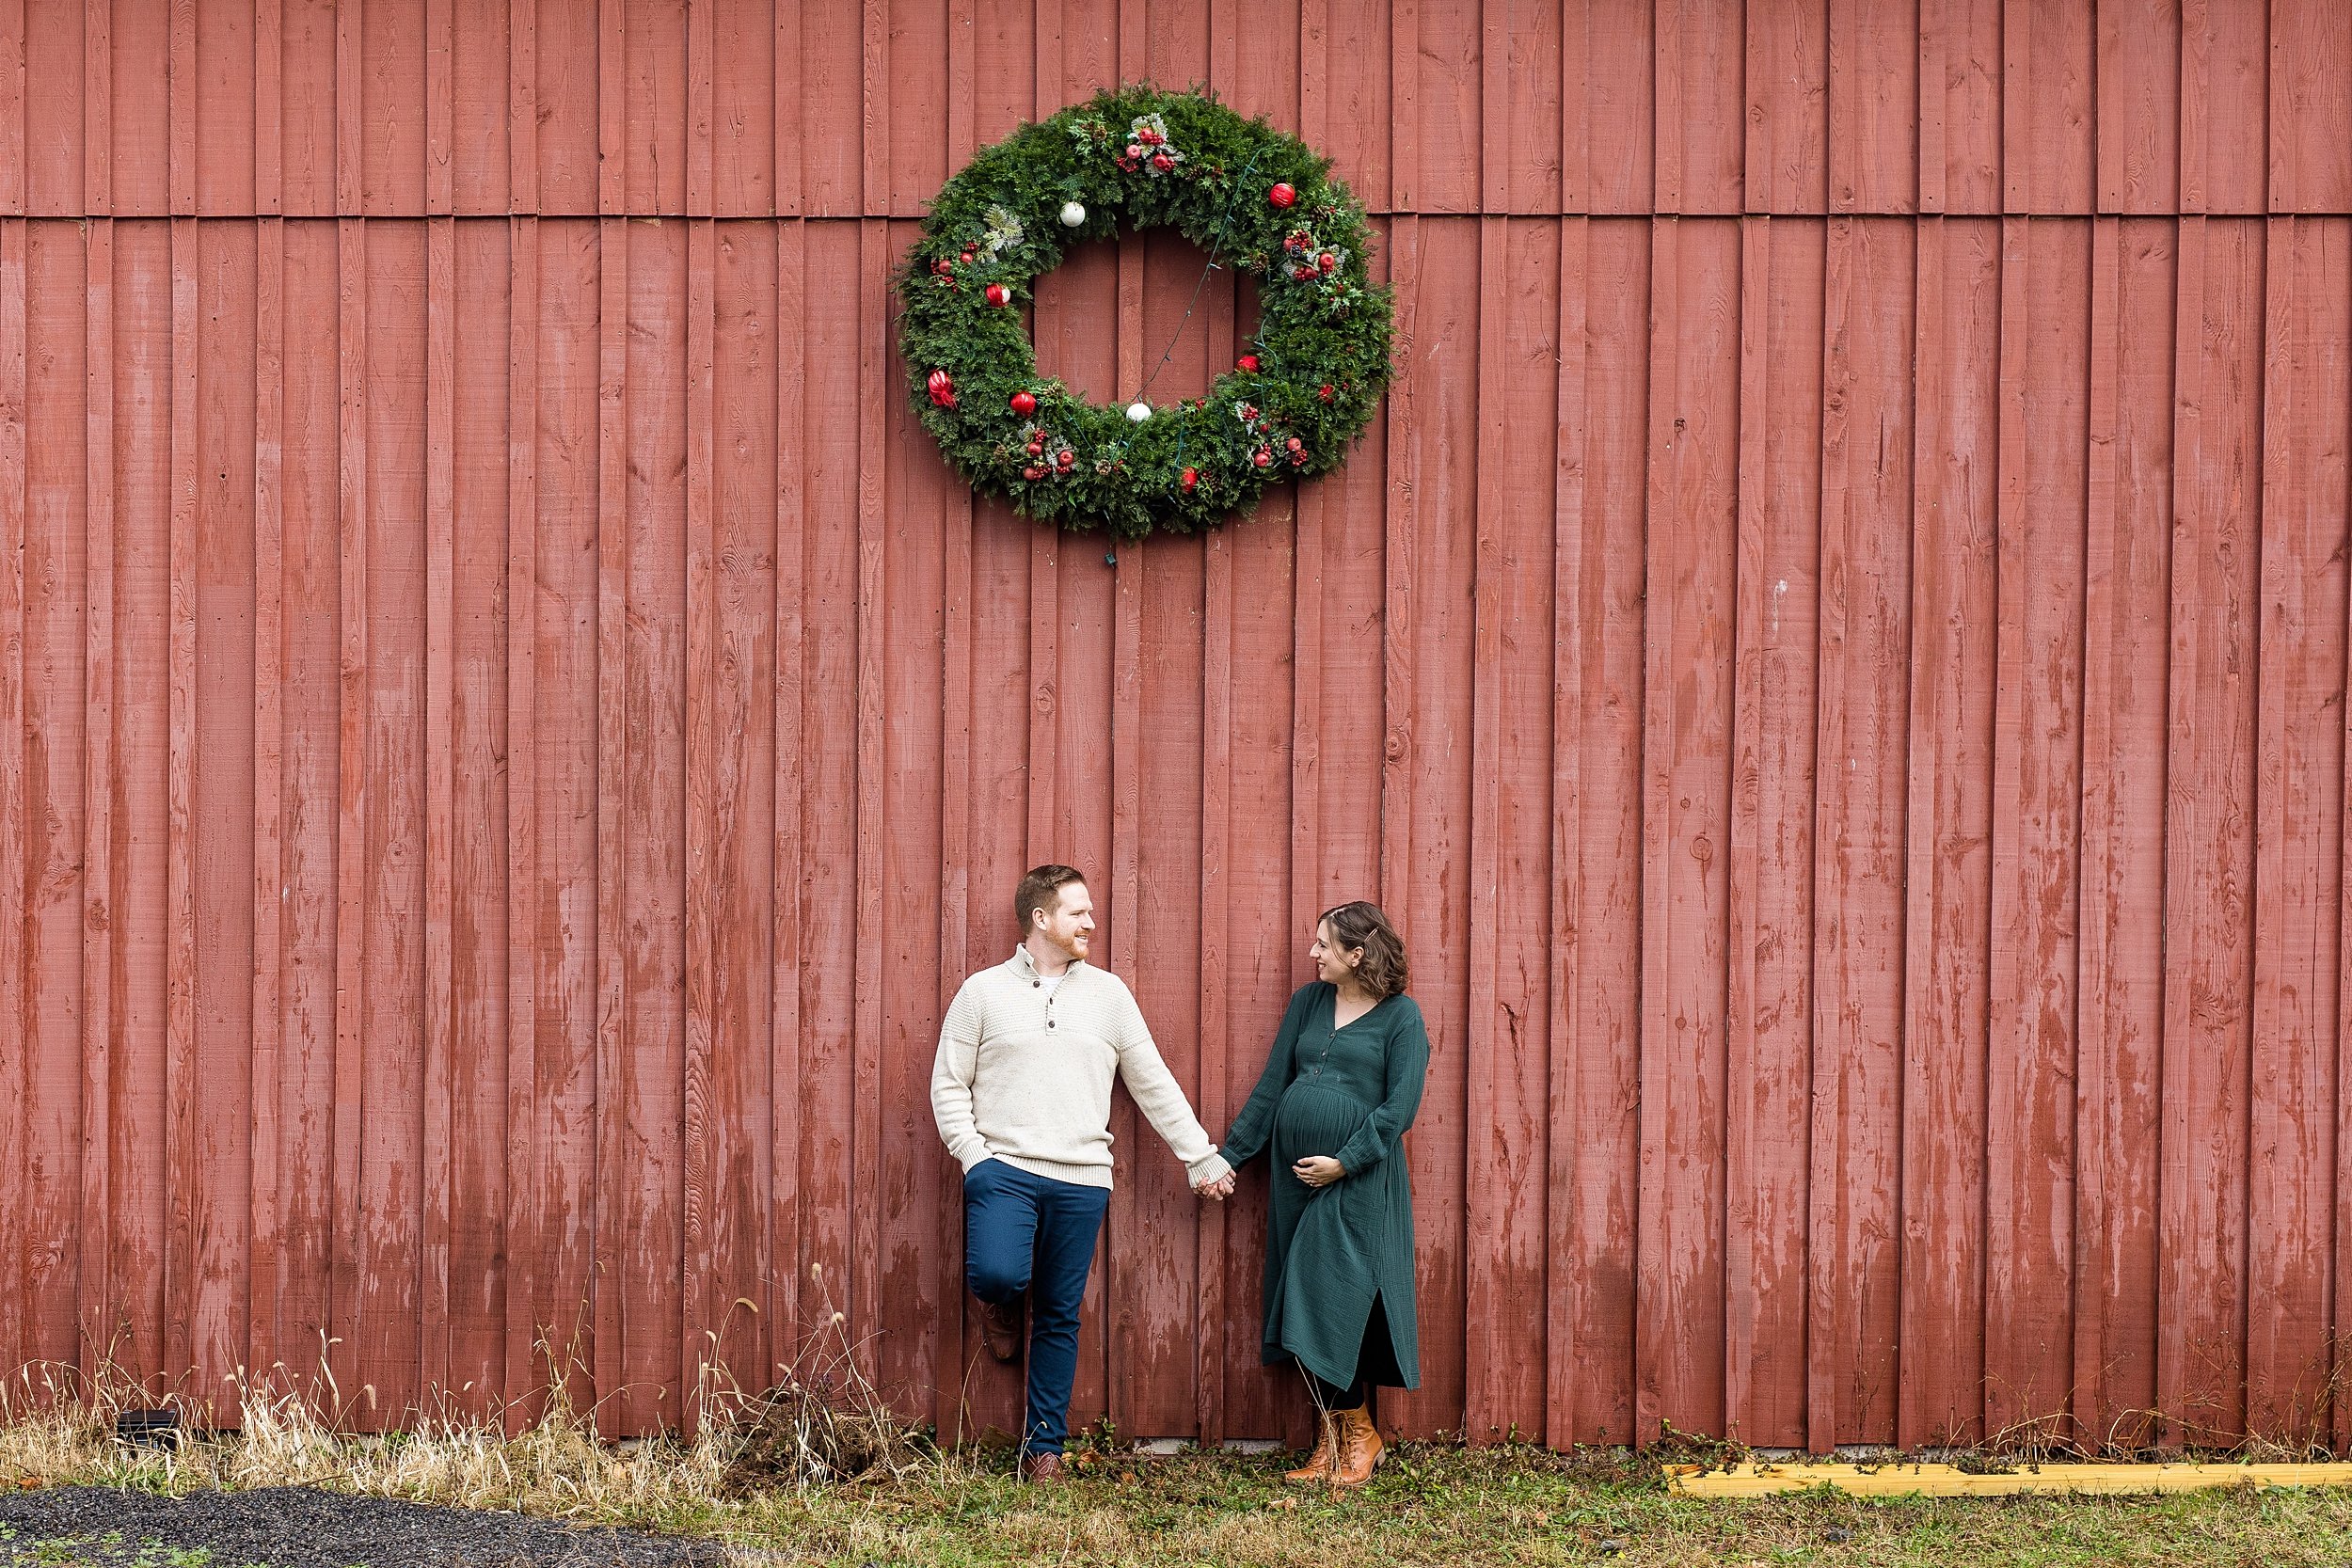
[{"x": 1947, "y": 1480}]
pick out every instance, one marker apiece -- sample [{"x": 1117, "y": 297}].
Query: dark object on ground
[
  {"x": 300, "y": 1526},
  {"x": 800, "y": 1434},
  {"x": 149, "y": 1429},
  {"x": 1043, "y": 1468}
]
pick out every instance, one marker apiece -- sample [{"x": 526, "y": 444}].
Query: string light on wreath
[{"x": 1256, "y": 200}]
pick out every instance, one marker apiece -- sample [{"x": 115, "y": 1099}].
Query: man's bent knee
[{"x": 995, "y": 1281}]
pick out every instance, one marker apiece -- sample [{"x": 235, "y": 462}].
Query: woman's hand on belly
[{"x": 1318, "y": 1170}]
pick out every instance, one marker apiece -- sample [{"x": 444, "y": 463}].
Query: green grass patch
[{"x": 1442, "y": 1505}]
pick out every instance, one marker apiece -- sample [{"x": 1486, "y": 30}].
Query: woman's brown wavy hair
[{"x": 1360, "y": 925}]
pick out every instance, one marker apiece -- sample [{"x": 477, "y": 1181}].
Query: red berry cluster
[
  {"x": 1148, "y": 146},
  {"x": 1306, "y": 260},
  {"x": 1047, "y": 455}
]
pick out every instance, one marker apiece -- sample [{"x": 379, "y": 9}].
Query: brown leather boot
[
  {"x": 1318, "y": 1465},
  {"x": 1000, "y": 1326},
  {"x": 1043, "y": 1468},
  {"x": 1359, "y": 1448}
]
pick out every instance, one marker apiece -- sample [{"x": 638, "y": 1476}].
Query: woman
[{"x": 1339, "y": 1091}]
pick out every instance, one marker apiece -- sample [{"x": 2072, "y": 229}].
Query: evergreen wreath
[{"x": 1239, "y": 189}]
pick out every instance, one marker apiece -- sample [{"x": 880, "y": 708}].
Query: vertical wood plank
[
  {"x": 94, "y": 1285},
  {"x": 876, "y": 372},
  {"x": 1768, "y": 1056},
  {"x": 1562, "y": 1286},
  {"x": 14, "y": 133},
  {"x": 787, "y": 1226},
  {"x": 1606, "y": 1087},
  {"x": 98, "y": 107},
  {"x": 352, "y": 804},
  {"x": 612, "y": 752},
  {"x": 2307, "y": 409},
  {"x": 265, "y": 1331},
  {"x": 1686, "y": 715},
  {"x": 1860, "y": 831},
  {"x": 526, "y": 1258},
  {"x": 1484, "y": 1360},
  {"x": 184, "y": 1133},
  {"x": 440, "y": 109},
  {"x": 2143, "y": 107},
  {"x": 522, "y": 106},
  {"x": 706, "y": 1129},
  {"x": 2310, "y": 120},
  {"x": 440, "y": 783},
  {"x": 701, "y": 108},
  {"x": 2209, "y": 834},
  {"x": 2037, "y": 785},
  {"x": 181, "y": 91},
  {"x": 13, "y": 506},
  {"x": 1786, "y": 88},
  {"x": 1949, "y": 855}
]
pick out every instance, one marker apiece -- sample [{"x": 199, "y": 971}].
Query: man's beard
[{"x": 1075, "y": 949}]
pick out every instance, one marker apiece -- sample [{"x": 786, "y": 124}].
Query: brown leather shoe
[
  {"x": 1359, "y": 1448},
  {"x": 1042, "y": 1467},
  {"x": 1318, "y": 1465},
  {"x": 1001, "y": 1327}
]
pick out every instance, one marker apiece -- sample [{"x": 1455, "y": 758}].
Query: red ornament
[
  {"x": 1032, "y": 473},
  {"x": 1037, "y": 448},
  {"x": 1323, "y": 392},
  {"x": 1283, "y": 195},
  {"x": 1328, "y": 261},
  {"x": 944, "y": 266},
  {"x": 1135, "y": 151},
  {"x": 1161, "y": 161},
  {"x": 1000, "y": 296},
  {"x": 1025, "y": 405},
  {"x": 1295, "y": 443},
  {"x": 1261, "y": 457},
  {"x": 1247, "y": 364},
  {"x": 942, "y": 388},
  {"x": 1189, "y": 478},
  {"x": 1064, "y": 458},
  {"x": 1150, "y": 137}
]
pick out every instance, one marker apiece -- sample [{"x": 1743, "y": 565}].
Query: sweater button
[{"x": 1034, "y": 984}]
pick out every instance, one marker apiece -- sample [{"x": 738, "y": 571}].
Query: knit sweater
[{"x": 1024, "y": 1075}]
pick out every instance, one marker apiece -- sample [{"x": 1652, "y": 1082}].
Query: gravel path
[{"x": 294, "y": 1527}]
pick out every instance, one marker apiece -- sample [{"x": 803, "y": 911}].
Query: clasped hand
[{"x": 1220, "y": 1189}]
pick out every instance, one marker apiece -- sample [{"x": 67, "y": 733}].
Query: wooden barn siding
[{"x": 1836, "y": 654}]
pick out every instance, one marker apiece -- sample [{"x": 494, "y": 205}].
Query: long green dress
[{"x": 1331, "y": 1251}]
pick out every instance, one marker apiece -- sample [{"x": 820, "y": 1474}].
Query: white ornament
[
  {"x": 1139, "y": 412},
  {"x": 1073, "y": 214}
]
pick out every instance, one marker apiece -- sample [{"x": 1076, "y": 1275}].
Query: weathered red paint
[{"x": 1835, "y": 652}]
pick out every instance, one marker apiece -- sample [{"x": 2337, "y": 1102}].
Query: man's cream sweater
[{"x": 1024, "y": 1075}]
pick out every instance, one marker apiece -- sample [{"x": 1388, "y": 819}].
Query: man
[{"x": 1022, "y": 1092}]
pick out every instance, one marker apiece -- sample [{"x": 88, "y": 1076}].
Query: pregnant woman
[{"x": 1339, "y": 1091}]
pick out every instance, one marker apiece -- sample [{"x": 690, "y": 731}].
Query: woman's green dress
[{"x": 1330, "y": 1251}]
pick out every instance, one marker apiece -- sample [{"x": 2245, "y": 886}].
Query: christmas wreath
[{"x": 1246, "y": 194}]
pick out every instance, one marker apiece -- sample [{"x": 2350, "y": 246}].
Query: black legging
[{"x": 1375, "y": 1366}]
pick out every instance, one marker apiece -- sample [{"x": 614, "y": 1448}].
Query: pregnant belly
[{"x": 1312, "y": 1119}]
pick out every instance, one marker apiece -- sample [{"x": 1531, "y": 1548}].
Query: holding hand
[
  {"x": 1220, "y": 1189},
  {"x": 1318, "y": 1170}
]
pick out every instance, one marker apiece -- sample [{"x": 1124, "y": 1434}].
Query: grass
[
  {"x": 1434, "y": 1504},
  {"x": 1443, "y": 1505},
  {"x": 766, "y": 1477}
]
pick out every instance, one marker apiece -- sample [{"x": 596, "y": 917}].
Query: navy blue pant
[{"x": 1024, "y": 1232}]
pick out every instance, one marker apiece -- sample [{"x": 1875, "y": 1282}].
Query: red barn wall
[{"x": 1835, "y": 653}]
